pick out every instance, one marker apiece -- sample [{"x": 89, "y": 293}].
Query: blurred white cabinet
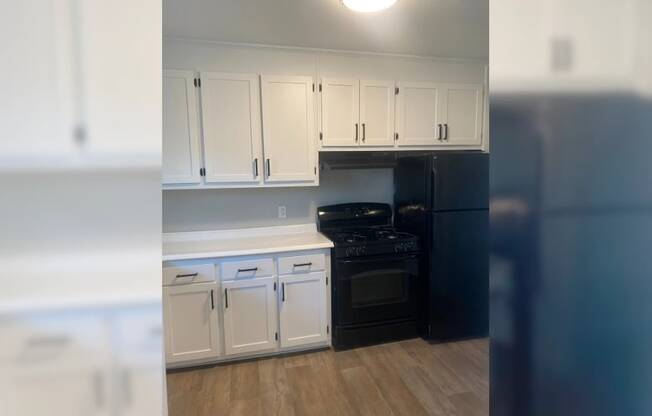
[
  {"x": 303, "y": 309},
  {"x": 249, "y": 315},
  {"x": 461, "y": 114},
  {"x": 121, "y": 103},
  {"x": 418, "y": 113},
  {"x": 61, "y": 390},
  {"x": 39, "y": 88},
  {"x": 181, "y": 145},
  {"x": 139, "y": 364},
  {"x": 191, "y": 322},
  {"x": 288, "y": 129},
  {"x": 357, "y": 113},
  {"x": 231, "y": 127},
  {"x": 64, "y": 356}
]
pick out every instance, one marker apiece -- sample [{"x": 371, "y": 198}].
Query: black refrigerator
[{"x": 443, "y": 197}]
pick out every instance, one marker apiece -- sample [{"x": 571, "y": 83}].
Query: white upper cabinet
[
  {"x": 191, "y": 322},
  {"x": 461, "y": 114},
  {"x": 38, "y": 99},
  {"x": 303, "y": 312},
  {"x": 357, "y": 113},
  {"x": 377, "y": 113},
  {"x": 181, "y": 146},
  {"x": 340, "y": 104},
  {"x": 288, "y": 128},
  {"x": 249, "y": 315},
  {"x": 418, "y": 114},
  {"x": 231, "y": 127}
]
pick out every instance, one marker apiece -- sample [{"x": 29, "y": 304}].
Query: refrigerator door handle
[{"x": 433, "y": 178}]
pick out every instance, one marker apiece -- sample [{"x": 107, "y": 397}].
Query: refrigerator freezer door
[{"x": 459, "y": 181}]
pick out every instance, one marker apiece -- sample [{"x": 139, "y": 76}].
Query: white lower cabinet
[
  {"x": 249, "y": 315},
  {"x": 303, "y": 312},
  {"x": 63, "y": 389},
  {"x": 191, "y": 322},
  {"x": 268, "y": 304}
]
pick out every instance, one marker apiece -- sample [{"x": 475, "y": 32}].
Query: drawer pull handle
[
  {"x": 226, "y": 299},
  {"x": 283, "y": 292},
  {"x": 187, "y": 275},
  {"x": 253, "y": 269},
  {"x": 212, "y": 300},
  {"x": 49, "y": 341},
  {"x": 302, "y": 264}
]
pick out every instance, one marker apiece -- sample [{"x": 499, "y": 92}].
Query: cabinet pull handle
[
  {"x": 226, "y": 299},
  {"x": 186, "y": 275},
  {"x": 446, "y": 131},
  {"x": 439, "y": 137},
  {"x": 283, "y": 292},
  {"x": 302, "y": 264},
  {"x": 255, "y": 167},
  {"x": 126, "y": 387},
  {"x": 253, "y": 269},
  {"x": 269, "y": 169},
  {"x": 48, "y": 341},
  {"x": 356, "y": 132},
  {"x": 212, "y": 300},
  {"x": 364, "y": 132},
  {"x": 98, "y": 389}
]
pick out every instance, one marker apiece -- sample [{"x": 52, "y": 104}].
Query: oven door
[{"x": 373, "y": 289}]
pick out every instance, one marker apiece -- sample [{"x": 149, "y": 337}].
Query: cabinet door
[
  {"x": 303, "y": 309},
  {"x": 288, "y": 129},
  {"x": 249, "y": 315},
  {"x": 340, "y": 112},
  {"x": 62, "y": 390},
  {"x": 377, "y": 113},
  {"x": 461, "y": 111},
  {"x": 418, "y": 114},
  {"x": 39, "y": 76},
  {"x": 181, "y": 148},
  {"x": 231, "y": 127},
  {"x": 190, "y": 322}
]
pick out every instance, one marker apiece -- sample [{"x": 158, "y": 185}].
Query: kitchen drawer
[
  {"x": 53, "y": 337},
  {"x": 305, "y": 263},
  {"x": 247, "y": 269},
  {"x": 180, "y": 274}
]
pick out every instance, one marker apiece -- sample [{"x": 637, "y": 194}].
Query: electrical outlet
[{"x": 282, "y": 212}]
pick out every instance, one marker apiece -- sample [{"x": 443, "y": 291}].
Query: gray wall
[{"x": 213, "y": 209}]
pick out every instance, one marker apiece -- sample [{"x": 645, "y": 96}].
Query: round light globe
[{"x": 366, "y": 6}]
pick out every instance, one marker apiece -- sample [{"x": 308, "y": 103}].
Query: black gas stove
[
  {"x": 357, "y": 242},
  {"x": 375, "y": 269}
]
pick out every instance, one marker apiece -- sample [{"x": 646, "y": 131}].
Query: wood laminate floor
[{"x": 402, "y": 378}]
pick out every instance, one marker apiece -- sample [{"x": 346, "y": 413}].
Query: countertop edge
[{"x": 248, "y": 252}]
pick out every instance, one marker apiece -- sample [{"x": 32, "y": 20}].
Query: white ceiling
[{"x": 443, "y": 28}]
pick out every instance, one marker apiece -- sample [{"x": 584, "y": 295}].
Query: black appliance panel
[
  {"x": 455, "y": 266},
  {"x": 459, "y": 181},
  {"x": 372, "y": 289},
  {"x": 459, "y": 287}
]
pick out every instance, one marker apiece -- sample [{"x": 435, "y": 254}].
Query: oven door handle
[{"x": 375, "y": 259}]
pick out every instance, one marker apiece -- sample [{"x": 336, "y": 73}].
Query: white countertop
[{"x": 243, "y": 242}]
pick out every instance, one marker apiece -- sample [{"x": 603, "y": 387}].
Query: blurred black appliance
[
  {"x": 375, "y": 271},
  {"x": 443, "y": 198}
]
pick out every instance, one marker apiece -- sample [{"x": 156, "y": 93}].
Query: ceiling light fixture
[{"x": 366, "y": 6}]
